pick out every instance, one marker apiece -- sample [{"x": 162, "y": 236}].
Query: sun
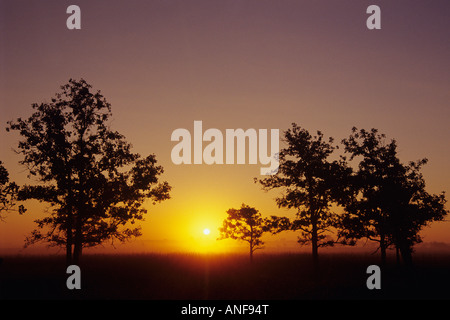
[{"x": 206, "y": 231}]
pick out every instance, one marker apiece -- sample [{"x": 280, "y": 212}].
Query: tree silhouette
[
  {"x": 93, "y": 182},
  {"x": 8, "y": 194},
  {"x": 412, "y": 208},
  {"x": 245, "y": 224},
  {"x": 389, "y": 204},
  {"x": 311, "y": 183}
]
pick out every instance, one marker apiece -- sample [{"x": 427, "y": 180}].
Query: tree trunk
[
  {"x": 69, "y": 226},
  {"x": 251, "y": 243},
  {"x": 77, "y": 250},
  {"x": 82, "y": 198},
  {"x": 78, "y": 246},
  {"x": 69, "y": 236},
  {"x": 69, "y": 246},
  {"x": 315, "y": 245},
  {"x": 383, "y": 249},
  {"x": 314, "y": 218},
  {"x": 397, "y": 255},
  {"x": 406, "y": 252}
]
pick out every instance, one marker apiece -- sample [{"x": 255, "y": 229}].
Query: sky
[{"x": 231, "y": 64}]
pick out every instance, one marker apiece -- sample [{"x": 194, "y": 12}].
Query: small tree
[
  {"x": 88, "y": 174},
  {"x": 245, "y": 224}
]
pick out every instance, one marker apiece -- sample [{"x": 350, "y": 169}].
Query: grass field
[{"x": 197, "y": 277}]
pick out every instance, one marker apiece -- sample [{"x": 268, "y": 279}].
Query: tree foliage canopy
[{"x": 88, "y": 173}]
